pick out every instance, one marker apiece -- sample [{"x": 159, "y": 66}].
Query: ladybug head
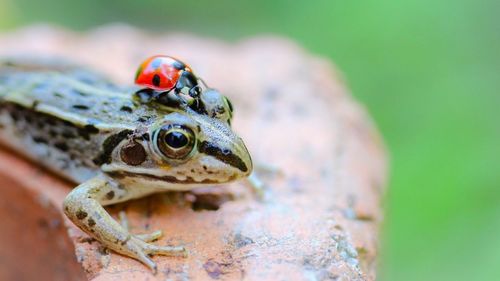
[{"x": 188, "y": 84}]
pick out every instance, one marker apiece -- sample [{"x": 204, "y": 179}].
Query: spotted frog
[{"x": 116, "y": 145}]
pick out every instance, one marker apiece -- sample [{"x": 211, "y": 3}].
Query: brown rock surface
[{"x": 319, "y": 220}]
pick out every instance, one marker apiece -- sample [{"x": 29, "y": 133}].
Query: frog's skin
[{"x": 103, "y": 138}]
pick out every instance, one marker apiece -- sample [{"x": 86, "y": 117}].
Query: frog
[{"x": 116, "y": 146}]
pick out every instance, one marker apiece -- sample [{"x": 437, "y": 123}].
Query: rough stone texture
[{"x": 319, "y": 220}]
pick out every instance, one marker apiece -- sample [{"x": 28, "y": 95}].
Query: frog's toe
[
  {"x": 177, "y": 251},
  {"x": 124, "y": 220},
  {"x": 150, "y": 237},
  {"x": 137, "y": 249},
  {"x": 145, "y": 259}
]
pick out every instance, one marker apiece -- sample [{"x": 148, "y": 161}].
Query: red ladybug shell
[{"x": 160, "y": 73}]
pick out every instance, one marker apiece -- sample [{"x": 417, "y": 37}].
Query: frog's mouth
[{"x": 169, "y": 179}]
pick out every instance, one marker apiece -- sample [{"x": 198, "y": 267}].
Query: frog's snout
[{"x": 236, "y": 155}]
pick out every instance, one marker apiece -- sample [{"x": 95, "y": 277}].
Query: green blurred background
[{"x": 429, "y": 73}]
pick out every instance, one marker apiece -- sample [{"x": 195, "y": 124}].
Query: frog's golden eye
[{"x": 175, "y": 141}]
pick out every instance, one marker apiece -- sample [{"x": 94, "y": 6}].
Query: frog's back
[
  {"x": 72, "y": 93},
  {"x": 62, "y": 116}
]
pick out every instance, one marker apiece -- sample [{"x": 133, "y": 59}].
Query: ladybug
[{"x": 164, "y": 74}]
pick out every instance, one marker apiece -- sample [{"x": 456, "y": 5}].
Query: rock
[{"x": 320, "y": 216}]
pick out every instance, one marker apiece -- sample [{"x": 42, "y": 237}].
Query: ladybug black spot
[{"x": 156, "y": 80}]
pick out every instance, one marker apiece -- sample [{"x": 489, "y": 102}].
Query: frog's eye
[{"x": 175, "y": 141}]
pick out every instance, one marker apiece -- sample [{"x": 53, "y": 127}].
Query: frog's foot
[
  {"x": 137, "y": 248},
  {"x": 257, "y": 185},
  {"x": 258, "y": 178},
  {"x": 146, "y": 237},
  {"x": 83, "y": 206}
]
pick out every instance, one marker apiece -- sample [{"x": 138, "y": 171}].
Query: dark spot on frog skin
[
  {"x": 15, "y": 116},
  {"x": 91, "y": 222},
  {"x": 126, "y": 109},
  {"x": 109, "y": 145},
  {"x": 110, "y": 195},
  {"x": 223, "y": 155},
  {"x": 40, "y": 124},
  {"x": 133, "y": 153},
  {"x": 91, "y": 128},
  {"x": 145, "y": 137},
  {"x": 82, "y": 94},
  {"x": 144, "y": 119},
  {"x": 28, "y": 119},
  {"x": 81, "y": 214},
  {"x": 61, "y": 146},
  {"x": 88, "y": 130},
  {"x": 124, "y": 241},
  {"x": 39, "y": 139},
  {"x": 68, "y": 134},
  {"x": 35, "y": 104},
  {"x": 51, "y": 121},
  {"x": 80, "y": 107}
]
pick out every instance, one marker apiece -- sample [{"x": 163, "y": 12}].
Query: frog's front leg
[{"x": 83, "y": 206}]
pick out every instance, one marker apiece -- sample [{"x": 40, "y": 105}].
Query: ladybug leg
[
  {"x": 195, "y": 91},
  {"x": 180, "y": 97},
  {"x": 145, "y": 95},
  {"x": 174, "y": 95},
  {"x": 168, "y": 98}
]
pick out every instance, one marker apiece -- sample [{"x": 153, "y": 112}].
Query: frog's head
[{"x": 181, "y": 151}]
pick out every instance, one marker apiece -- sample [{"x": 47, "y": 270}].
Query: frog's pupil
[{"x": 176, "y": 139}]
